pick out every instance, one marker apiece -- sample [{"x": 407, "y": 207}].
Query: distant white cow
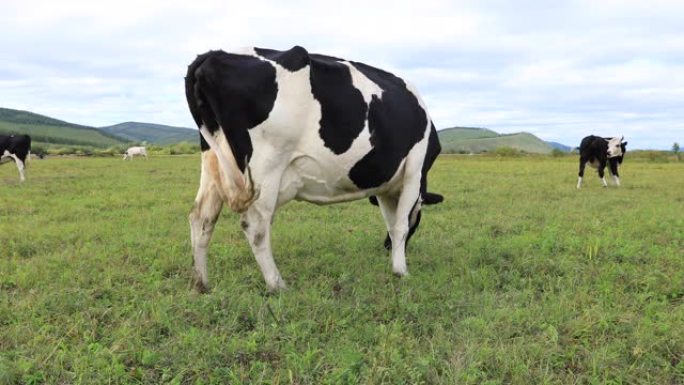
[{"x": 133, "y": 151}]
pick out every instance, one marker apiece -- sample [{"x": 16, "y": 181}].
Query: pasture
[{"x": 517, "y": 278}]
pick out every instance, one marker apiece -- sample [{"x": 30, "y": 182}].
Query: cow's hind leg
[
  {"x": 203, "y": 217},
  {"x": 601, "y": 173}
]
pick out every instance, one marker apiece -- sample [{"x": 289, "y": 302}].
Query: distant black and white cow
[
  {"x": 282, "y": 125},
  {"x": 598, "y": 152},
  {"x": 135, "y": 151},
  {"x": 17, "y": 147}
]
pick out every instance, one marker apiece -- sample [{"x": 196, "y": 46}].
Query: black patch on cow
[
  {"x": 343, "y": 110},
  {"x": 433, "y": 150},
  {"x": 17, "y": 145},
  {"x": 396, "y": 123},
  {"x": 236, "y": 92},
  {"x": 292, "y": 60}
]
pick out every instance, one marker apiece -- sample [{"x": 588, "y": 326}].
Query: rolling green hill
[
  {"x": 476, "y": 140},
  {"x": 52, "y": 132},
  {"x": 152, "y": 133}
]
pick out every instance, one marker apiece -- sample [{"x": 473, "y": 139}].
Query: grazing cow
[
  {"x": 282, "y": 125},
  {"x": 598, "y": 152},
  {"x": 135, "y": 151},
  {"x": 17, "y": 147}
]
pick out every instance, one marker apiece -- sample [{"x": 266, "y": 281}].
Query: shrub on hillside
[
  {"x": 507, "y": 151},
  {"x": 183, "y": 148},
  {"x": 557, "y": 153}
]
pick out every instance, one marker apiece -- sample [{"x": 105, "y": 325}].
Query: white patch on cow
[
  {"x": 363, "y": 84},
  {"x": 616, "y": 179},
  {"x": 614, "y": 148},
  {"x": 603, "y": 180},
  {"x": 579, "y": 182}
]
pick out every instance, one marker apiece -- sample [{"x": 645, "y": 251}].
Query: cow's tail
[
  {"x": 200, "y": 110},
  {"x": 239, "y": 187}
]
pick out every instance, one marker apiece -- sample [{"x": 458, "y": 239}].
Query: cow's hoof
[
  {"x": 400, "y": 272},
  {"x": 276, "y": 286},
  {"x": 199, "y": 286}
]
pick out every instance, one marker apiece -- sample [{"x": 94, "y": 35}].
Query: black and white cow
[
  {"x": 598, "y": 152},
  {"x": 282, "y": 125},
  {"x": 17, "y": 147}
]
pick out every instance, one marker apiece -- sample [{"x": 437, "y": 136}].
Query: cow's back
[
  {"x": 347, "y": 125},
  {"x": 593, "y": 147}
]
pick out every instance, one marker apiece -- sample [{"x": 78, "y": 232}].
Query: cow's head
[{"x": 615, "y": 146}]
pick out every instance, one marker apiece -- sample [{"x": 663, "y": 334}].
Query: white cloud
[{"x": 560, "y": 70}]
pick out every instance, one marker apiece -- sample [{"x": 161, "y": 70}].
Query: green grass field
[{"x": 517, "y": 278}]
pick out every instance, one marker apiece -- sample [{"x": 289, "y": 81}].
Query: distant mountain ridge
[
  {"x": 26, "y": 117},
  {"x": 460, "y": 140},
  {"x": 49, "y": 131},
  {"x": 560, "y": 146},
  {"x": 152, "y": 133},
  {"x": 53, "y": 132}
]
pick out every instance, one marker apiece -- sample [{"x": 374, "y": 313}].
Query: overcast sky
[{"x": 558, "y": 69}]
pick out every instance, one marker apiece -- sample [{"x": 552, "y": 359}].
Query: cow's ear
[{"x": 624, "y": 143}]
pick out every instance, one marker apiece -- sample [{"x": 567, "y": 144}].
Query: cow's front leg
[
  {"x": 400, "y": 230},
  {"x": 601, "y": 169},
  {"x": 256, "y": 224},
  {"x": 614, "y": 173}
]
